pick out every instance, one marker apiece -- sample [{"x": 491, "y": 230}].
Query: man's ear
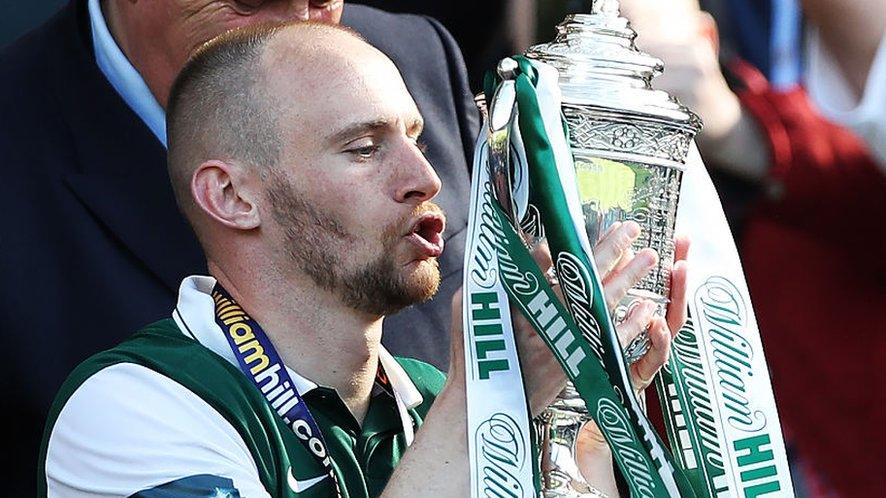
[{"x": 219, "y": 190}]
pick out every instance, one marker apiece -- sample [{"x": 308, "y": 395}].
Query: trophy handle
[
  {"x": 605, "y": 7},
  {"x": 502, "y": 113}
]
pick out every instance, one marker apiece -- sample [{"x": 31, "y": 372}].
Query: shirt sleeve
[{"x": 130, "y": 431}]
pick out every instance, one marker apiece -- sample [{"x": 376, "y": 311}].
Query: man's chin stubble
[
  {"x": 380, "y": 289},
  {"x": 316, "y": 241}
]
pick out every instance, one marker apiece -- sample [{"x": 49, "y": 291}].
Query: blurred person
[
  {"x": 96, "y": 247},
  {"x": 846, "y": 66},
  {"x": 686, "y": 39},
  {"x": 487, "y": 32},
  {"x": 819, "y": 298},
  {"x": 202, "y": 403},
  {"x": 835, "y": 49}
]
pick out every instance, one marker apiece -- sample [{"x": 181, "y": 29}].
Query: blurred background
[
  {"x": 793, "y": 95},
  {"x": 19, "y": 17}
]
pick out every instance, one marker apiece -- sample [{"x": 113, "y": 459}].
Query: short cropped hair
[
  {"x": 220, "y": 107},
  {"x": 216, "y": 110}
]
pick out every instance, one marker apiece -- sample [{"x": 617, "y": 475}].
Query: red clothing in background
[{"x": 815, "y": 257}]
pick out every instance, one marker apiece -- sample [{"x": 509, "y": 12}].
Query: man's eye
[{"x": 364, "y": 152}]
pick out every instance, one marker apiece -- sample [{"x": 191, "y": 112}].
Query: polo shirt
[{"x": 168, "y": 413}]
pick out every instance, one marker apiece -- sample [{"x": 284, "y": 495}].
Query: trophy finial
[
  {"x": 507, "y": 68},
  {"x": 605, "y": 7}
]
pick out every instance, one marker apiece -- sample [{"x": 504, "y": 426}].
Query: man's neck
[
  {"x": 314, "y": 333},
  {"x": 153, "y": 68}
]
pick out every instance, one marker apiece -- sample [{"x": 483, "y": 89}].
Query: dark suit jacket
[{"x": 93, "y": 246}]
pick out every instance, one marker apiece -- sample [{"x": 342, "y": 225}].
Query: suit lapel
[
  {"x": 145, "y": 220},
  {"x": 121, "y": 178}
]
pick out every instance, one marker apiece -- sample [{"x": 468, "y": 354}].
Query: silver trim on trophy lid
[{"x": 600, "y": 66}]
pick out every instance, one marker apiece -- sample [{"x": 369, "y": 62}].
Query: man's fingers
[
  {"x": 541, "y": 253},
  {"x": 626, "y": 258},
  {"x": 676, "y": 315},
  {"x": 617, "y": 284},
  {"x": 644, "y": 370},
  {"x": 681, "y": 247},
  {"x": 611, "y": 229},
  {"x": 636, "y": 322},
  {"x": 612, "y": 246}
]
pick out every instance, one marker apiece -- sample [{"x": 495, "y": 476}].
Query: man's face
[
  {"x": 190, "y": 23},
  {"x": 350, "y": 197},
  {"x": 168, "y": 31}
]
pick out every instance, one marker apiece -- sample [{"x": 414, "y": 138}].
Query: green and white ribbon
[
  {"x": 553, "y": 190},
  {"x": 715, "y": 391},
  {"x": 638, "y": 453},
  {"x": 499, "y": 434}
]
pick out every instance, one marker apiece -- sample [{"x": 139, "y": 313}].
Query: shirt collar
[
  {"x": 195, "y": 316},
  {"x": 123, "y": 76}
]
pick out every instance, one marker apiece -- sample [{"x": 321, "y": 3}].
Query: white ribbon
[
  {"x": 499, "y": 441},
  {"x": 748, "y": 431}
]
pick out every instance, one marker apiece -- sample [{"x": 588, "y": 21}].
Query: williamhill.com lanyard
[{"x": 258, "y": 359}]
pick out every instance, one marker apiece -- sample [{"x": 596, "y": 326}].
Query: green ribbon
[{"x": 584, "y": 336}]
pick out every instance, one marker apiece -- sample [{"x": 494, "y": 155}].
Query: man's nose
[
  {"x": 325, "y": 10},
  {"x": 302, "y": 10},
  {"x": 418, "y": 182}
]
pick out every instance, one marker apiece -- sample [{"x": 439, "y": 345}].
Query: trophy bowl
[{"x": 629, "y": 141}]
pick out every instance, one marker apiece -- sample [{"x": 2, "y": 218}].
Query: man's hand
[
  {"x": 592, "y": 451},
  {"x": 441, "y": 444},
  {"x": 620, "y": 270}
]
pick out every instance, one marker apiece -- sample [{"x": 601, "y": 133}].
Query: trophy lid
[{"x": 600, "y": 67}]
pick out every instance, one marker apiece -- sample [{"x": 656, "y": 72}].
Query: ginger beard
[{"x": 318, "y": 244}]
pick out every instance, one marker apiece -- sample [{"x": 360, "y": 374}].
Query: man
[
  {"x": 96, "y": 237},
  {"x": 275, "y": 133}
]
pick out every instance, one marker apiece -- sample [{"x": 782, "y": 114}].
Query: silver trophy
[{"x": 630, "y": 144}]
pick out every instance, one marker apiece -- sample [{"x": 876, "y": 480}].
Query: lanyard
[{"x": 258, "y": 360}]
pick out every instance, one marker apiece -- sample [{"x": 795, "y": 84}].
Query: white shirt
[
  {"x": 128, "y": 428},
  {"x": 833, "y": 95},
  {"x": 123, "y": 76}
]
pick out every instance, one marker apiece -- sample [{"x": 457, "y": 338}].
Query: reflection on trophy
[{"x": 629, "y": 144}]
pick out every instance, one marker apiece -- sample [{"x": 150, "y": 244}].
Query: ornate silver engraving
[{"x": 634, "y": 137}]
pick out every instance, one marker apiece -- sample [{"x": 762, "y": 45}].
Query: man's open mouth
[{"x": 427, "y": 234}]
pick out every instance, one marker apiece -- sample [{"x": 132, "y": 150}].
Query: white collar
[
  {"x": 195, "y": 316},
  {"x": 123, "y": 76}
]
